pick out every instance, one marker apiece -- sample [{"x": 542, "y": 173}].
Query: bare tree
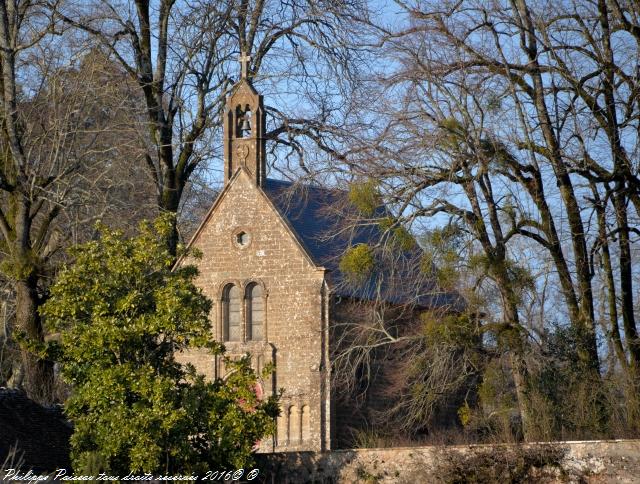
[
  {"x": 50, "y": 131},
  {"x": 600, "y": 91},
  {"x": 180, "y": 55},
  {"x": 519, "y": 121}
]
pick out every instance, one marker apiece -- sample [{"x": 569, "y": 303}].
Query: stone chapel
[{"x": 266, "y": 265}]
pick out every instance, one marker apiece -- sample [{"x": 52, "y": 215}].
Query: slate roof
[
  {"x": 308, "y": 209},
  {"x": 40, "y": 433},
  {"x": 315, "y": 214}
]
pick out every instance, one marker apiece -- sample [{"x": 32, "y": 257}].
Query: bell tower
[{"x": 244, "y": 126}]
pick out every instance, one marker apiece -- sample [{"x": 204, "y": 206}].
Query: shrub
[{"x": 123, "y": 313}]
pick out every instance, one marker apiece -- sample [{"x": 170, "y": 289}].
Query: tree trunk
[
  {"x": 626, "y": 280},
  {"x": 37, "y": 373},
  {"x": 519, "y": 371},
  {"x": 614, "y": 331},
  {"x": 588, "y": 351},
  {"x": 520, "y": 380},
  {"x": 169, "y": 201}
]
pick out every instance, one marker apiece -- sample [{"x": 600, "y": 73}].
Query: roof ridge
[{"x": 307, "y": 184}]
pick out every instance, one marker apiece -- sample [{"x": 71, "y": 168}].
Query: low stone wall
[{"x": 589, "y": 461}]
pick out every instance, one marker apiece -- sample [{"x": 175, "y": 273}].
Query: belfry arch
[{"x": 244, "y": 130}]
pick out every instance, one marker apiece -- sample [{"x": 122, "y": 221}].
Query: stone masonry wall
[
  {"x": 583, "y": 462},
  {"x": 294, "y": 333}
]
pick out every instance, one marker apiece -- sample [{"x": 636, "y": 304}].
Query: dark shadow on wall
[
  {"x": 36, "y": 434},
  {"x": 514, "y": 463},
  {"x": 303, "y": 467}
]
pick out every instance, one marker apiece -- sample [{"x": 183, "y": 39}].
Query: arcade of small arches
[
  {"x": 243, "y": 312},
  {"x": 294, "y": 425}
]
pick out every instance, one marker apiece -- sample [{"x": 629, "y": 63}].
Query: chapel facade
[
  {"x": 266, "y": 265},
  {"x": 270, "y": 296}
]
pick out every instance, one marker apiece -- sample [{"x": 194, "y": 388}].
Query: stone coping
[{"x": 468, "y": 446}]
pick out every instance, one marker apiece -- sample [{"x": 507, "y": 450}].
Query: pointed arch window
[
  {"x": 255, "y": 312},
  {"x": 231, "y": 315}
]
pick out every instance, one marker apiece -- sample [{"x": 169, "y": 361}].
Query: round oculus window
[{"x": 242, "y": 238}]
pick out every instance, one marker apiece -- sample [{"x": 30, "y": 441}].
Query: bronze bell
[{"x": 245, "y": 127}]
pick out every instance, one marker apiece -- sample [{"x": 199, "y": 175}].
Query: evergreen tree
[{"x": 122, "y": 314}]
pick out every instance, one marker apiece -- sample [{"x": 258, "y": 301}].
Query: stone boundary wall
[{"x": 584, "y": 462}]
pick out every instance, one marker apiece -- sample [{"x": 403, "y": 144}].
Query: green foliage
[
  {"x": 442, "y": 255},
  {"x": 448, "y": 237},
  {"x": 367, "y": 477},
  {"x": 461, "y": 137},
  {"x": 447, "y": 277},
  {"x": 357, "y": 263},
  {"x": 123, "y": 314},
  {"x": 453, "y": 134},
  {"x": 400, "y": 237},
  {"x": 453, "y": 329},
  {"x": 441, "y": 375},
  {"x": 18, "y": 267},
  {"x": 495, "y": 391},
  {"x": 584, "y": 415},
  {"x": 443, "y": 246},
  {"x": 365, "y": 196},
  {"x": 520, "y": 278},
  {"x": 464, "y": 414}
]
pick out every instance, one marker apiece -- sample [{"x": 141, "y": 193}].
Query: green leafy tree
[{"x": 122, "y": 314}]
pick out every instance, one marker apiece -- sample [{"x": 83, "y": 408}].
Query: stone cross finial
[{"x": 244, "y": 64}]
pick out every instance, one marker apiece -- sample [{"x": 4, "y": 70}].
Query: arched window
[
  {"x": 306, "y": 423},
  {"x": 294, "y": 425},
  {"x": 231, "y": 317},
  {"x": 283, "y": 427},
  {"x": 255, "y": 312}
]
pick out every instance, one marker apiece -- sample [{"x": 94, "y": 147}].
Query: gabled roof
[
  {"x": 317, "y": 217},
  {"x": 286, "y": 223},
  {"x": 310, "y": 211}
]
